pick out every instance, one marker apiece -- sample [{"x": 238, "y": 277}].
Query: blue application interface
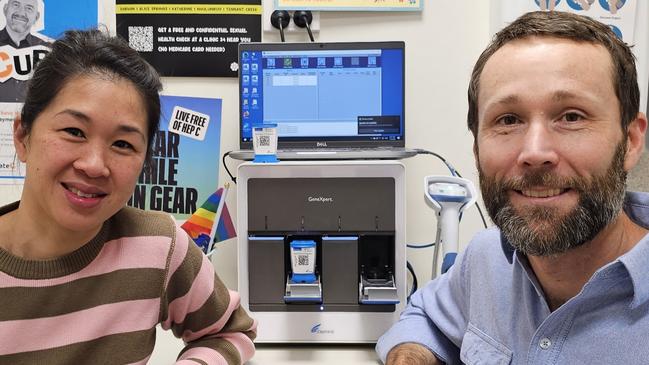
[{"x": 336, "y": 94}]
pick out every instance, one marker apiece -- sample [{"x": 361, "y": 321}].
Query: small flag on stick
[{"x": 211, "y": 222}]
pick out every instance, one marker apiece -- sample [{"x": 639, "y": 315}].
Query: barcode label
[
  {"x": 303, "y": 260},
  {"x": 264, "y": 141}
]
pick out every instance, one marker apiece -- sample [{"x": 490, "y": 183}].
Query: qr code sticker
[
  {"x": 264, "y": 141},
  {"x": 141, "y": 38},
  {"x": 303, "y": 260}
]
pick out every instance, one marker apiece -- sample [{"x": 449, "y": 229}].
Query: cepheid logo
[
  {"x": 19, "y": 63},
  {"x": 316, "y": 330}
]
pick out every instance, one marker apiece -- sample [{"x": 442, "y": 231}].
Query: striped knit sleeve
[{"x": 198, "y": 308}]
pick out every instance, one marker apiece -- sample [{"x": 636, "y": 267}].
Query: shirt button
[{"x": 545, "y": 343}]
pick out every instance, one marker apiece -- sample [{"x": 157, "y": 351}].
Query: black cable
[
  {"x": 234, "y": 179},
  {"x": 303, "y": 19},
  {"x": 308, "y": 29},
  {"x": 421, "y": 246},
  {"x": 453, "y": 172},
  {"x": 280, "y": 19},
  {"x": 414, "y": 280},
  {"x": 477, "y": 206},
  {"x": 448, "y": 165},
  {"x": 281, "y": 32}
]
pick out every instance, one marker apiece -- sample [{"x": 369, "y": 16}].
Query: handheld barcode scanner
[{"x": 448, "y": 196}]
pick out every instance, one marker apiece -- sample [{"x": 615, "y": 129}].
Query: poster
[
  {"x": 347, "y": 5},
  {"x": 186, "y": 155},
  {"x": 619, "y": 15},
  {"x": 27, "y": 27},
  {"x": 10, "y": 171},
  {"x": 199, "y": 38}
]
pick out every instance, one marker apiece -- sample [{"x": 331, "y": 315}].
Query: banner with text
[
  {"x": 619, "y": 15},
  {"x": 198, "y": 38},
  {"x": 347, "y": 5},
  {"x": 186, "y": 154}
]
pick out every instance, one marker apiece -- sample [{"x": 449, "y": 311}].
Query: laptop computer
[{"x": 329, "y": 100}]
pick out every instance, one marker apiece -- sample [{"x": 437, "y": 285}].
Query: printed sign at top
[
  {"x": 347, "y": 5},
  {"x": 190, "y": 39}
]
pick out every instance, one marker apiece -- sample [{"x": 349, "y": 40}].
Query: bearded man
[{"x": 563, "y": 278}]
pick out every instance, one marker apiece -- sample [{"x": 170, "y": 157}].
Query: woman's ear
[{"x": 20, "y": 139}]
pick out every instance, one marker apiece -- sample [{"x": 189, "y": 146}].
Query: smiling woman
[{"x": 84, "y": 278}]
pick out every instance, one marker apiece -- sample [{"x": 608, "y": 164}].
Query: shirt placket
[{"x": 545, "y": 347}]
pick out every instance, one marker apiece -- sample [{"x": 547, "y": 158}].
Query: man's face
[
  {"x": 21, "y": 15},
  {"x": 549, "y": 147}
]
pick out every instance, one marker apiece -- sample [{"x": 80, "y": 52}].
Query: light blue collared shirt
[{"x": 490, "y": 309}]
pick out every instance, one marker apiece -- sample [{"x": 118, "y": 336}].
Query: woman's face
[{"x": 84, "y": 153}]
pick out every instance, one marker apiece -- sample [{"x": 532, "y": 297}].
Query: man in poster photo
[{"x": 20, "y": 16}]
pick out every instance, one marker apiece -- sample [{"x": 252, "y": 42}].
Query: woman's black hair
[{"x": 92, "y": 52}]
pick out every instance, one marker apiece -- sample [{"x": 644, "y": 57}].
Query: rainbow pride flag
[{"x": 200, "y": 226}]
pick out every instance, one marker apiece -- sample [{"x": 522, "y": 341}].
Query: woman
[{"x": 84, "y": 279}]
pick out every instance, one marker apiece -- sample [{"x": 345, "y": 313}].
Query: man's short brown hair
[{"x": 568, "y": 26}]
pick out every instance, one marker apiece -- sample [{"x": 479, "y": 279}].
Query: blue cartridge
[{"x": 303, "y": 261}]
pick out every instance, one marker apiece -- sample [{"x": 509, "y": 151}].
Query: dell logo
[{"x": 321, "y": 144}]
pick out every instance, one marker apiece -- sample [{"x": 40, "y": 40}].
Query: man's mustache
[
  {"x": 545, "y": 179},
  {"x": 20, "y": 17}
]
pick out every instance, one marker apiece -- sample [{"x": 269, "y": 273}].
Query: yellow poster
[{"x": 347, "y": 5}]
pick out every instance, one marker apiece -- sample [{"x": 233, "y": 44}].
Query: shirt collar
[
  {"x": 636, "y": 263},
  {"x": 515, "y": 257}
]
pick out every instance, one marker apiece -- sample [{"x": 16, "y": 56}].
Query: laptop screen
[{"x": 323, "y": 94}]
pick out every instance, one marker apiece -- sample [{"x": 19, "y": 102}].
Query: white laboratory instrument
[{"x": 322, "y": 254}]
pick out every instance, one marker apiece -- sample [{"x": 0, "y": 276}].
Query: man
[
  {"x": 564, "y": 279},
  {"x": 20, "y": 16}
]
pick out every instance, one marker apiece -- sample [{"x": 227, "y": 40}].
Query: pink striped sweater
[{"x": 101, "y": 303}]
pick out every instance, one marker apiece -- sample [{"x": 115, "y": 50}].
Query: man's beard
[{"x": 545, "y": 231}]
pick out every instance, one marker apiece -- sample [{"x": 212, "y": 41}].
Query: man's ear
[
  {"x": 635, "y": 141},
  {"x": 20, "y": 140}
]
